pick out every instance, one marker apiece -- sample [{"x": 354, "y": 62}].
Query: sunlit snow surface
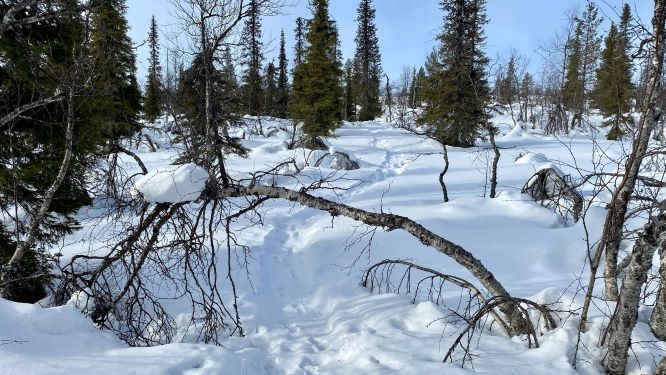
[{"x": 305, "y": 312}]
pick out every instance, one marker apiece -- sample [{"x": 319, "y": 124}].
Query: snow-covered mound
[
  {"x": 332, "y": 158},
  {"x": 60, "y": 340},
  {"x": 518, "y": 135},
  {"x": 532, "y": 158},
  {"x": 172, "y": 184}
]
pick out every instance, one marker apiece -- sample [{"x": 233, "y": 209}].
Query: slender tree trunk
[
  {"x": 389, "y": 100},
  {"x": 26, "y": 107},
  {"x": 658, "y": 318},
  {"x": 626, "y": 313},
  {"x": 10, "y": 270},
  {"x": 496, "y": 158},
  {"x": 445, "y": 192}
]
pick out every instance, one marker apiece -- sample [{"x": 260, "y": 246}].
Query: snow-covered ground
[{"x": 305, "y": 312}]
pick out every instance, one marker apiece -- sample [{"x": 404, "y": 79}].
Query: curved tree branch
[{"x": 388, "y": 222}]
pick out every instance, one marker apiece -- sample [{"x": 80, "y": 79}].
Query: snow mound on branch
[
  {"x": 532, "y": 158},
  {"x": 172, "y": 184}
]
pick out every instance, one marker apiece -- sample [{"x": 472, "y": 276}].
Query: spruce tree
[
  {"x": 508, "y": 86},
  {"x": 270, "y": 90},
  {"x": 316, "y": 89},
  {"x": 368, "y": 61},
  {"x": 585, "y": 49},
  {"x": 416, "y": 88},
  {"x": 457, "y": 90},
  {"x": 413, "y": 87},
  {"x": 253, "y": 57},
  {"x": 625, "y": 21},
  {"x": 41, "y": 62},
  {"x": 526, "y": 90},
  {"x": 282, "y": 105},
  {"x": 350, "y": 92},
  {"x": 614, "y": 88},
  {"x": 300, "y": 45},
  {"x": 191, "y": 101},
  {"x": 117, "y": 102},
  {"x": 154, "y": 98},
  {"x": 573, "y": 82},
  {"x": 229, "y": 74}
]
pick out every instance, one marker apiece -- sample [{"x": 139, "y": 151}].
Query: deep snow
[{"x": 305, "y": 312}]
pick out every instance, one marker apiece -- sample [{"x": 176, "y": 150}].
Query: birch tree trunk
[
  {"x": 390, "y": 222},
  {"x": 658, "y": 318},
  {"x": 496, "y": 158},
  {"x": 626, "y": 313}
]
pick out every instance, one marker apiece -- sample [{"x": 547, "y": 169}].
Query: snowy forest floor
[{"x": 302, "y": 304}]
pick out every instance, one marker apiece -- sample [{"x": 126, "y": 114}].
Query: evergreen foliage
[
  {"x": 316, "y": 89},
  {"x": 584, "y": 49},
  {"x": 368, "y": 62},
  {"x": 300, "y": 46},
  {"x": 117, "y": 100},
  {"x": 416, "y": 88},
  {"x": 526, "y": 85},
  {"x": 46, "y": 60},
  {"x": 457, "y": 90},
  {"x": 508, "y": 88},
  {"x": 350, "y": 91},
  {"x": 573, "y": 83},
  {"x": 229, "y": 78},
  {"x": 35, "y": 270},
  {"x": 253, "y": 58},
  {"x": 191, "y": 94},
  {"x": 270, "y": 91},
  {"x": 614, "y": 89},
  {"x": 283, "y": 94},
  {"x": 154, "y": 101}
]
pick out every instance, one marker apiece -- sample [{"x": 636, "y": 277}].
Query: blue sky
[{"x": 407, "y": 28}]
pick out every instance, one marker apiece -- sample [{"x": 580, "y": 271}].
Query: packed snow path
[{"x": 302, "y": 305}]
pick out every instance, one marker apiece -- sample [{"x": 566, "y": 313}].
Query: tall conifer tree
[
  {"x": 614, "y": 89},
  {"x": 282, "y": 110},
  {"x": 154, "y": 98},
  {"x": 573, "y": 82},
  {"x": 317, "y": 91},
  {"x": 118, "y": 99},
  {"x": 253, "y": 57},
  {"x": 508, "y": 85},
  {"x": 350, "y": 91},
  {"x": 416, "y": 88},
  {"x": 270, "y": 90},
  {"x": 300, "y": 44},
  {"x": 457, "y": 89},
  {"x": 368, "y": 61},
  {"x": 585, "y": 48}
]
